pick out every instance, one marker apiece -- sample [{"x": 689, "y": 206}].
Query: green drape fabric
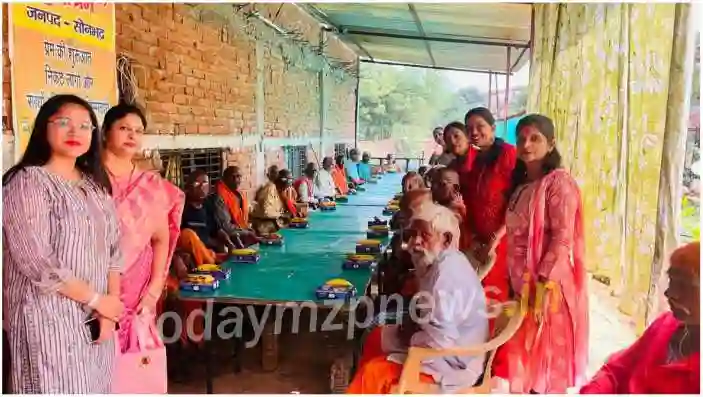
[{"x": 613, "y": 78}]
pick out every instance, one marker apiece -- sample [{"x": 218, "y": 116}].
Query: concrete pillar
[
  {"x": 260, "y": 104},
  {"x": 324, "y": 98}
]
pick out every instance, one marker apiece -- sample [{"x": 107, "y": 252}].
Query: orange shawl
[
  {"x": 239, "y": 213},
  {"x": 339, "y": 176}
]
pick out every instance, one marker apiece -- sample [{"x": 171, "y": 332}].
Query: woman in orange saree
[
  {"x": 149, "y": 208},
  {"x": 544, "y": 230}
]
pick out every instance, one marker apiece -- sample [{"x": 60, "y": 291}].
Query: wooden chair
[{"x": 508, "y": 320}]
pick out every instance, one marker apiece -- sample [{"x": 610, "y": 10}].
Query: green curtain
[{"x": 613, "y": 79}]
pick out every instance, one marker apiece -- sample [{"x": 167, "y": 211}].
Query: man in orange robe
[
  {"x": 200, "y": 238},
  {"x": 231, "y": 208},
  {"x": 339, "y": 175}
]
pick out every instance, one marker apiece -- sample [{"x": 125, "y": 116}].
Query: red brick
[
  {"x": 180, "y": 99},
  {"x": 191, "y": 128},
  {"x": 179, "y": 79},
  {"x": 140, "y": 48}
]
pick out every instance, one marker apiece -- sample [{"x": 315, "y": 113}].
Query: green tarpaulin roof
[{"x": 473, "y": 37}]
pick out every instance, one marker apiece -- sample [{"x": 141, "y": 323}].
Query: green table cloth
[{"x": 309, "y": 257}]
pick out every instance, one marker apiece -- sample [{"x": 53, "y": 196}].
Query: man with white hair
[{"x": 453, "y": 312}]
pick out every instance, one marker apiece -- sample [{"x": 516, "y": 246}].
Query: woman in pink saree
[
  {"x": 149, "y": 208},
  {"x": 544, "y": 225}
]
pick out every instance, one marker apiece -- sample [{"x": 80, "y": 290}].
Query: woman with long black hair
[
  {"x": 545, "y": 259},
  {"x": 62, "y": 256}
]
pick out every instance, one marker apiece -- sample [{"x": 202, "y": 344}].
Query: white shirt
[
  {"x": 457, "y": 318},
  {"x": 324, "y": 184},
  {"x": 303, "y": 191}
]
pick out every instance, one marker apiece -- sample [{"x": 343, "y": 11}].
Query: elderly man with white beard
[{"x": 453, "y": 312}]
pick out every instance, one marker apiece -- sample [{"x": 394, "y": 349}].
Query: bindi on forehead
[{"x": 528, "y": 131}]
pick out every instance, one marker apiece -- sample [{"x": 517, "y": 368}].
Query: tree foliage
[{"x": 406, "y": 103}]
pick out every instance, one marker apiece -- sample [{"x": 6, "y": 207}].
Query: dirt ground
[{"x": 305, "y": 358}]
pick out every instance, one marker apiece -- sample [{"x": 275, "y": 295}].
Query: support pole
[
  {"x": 356, "y": 107},
  {"x": 324, "y": 98},
  {"x": 507, "y": 89},
  {"x": 497, "y": 94},
  {"x": 490, "y": 90},
  {"x": 532, "y": 38}
]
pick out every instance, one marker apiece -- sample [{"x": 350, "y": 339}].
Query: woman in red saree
[
  {"x": 666, "y": 359},
  {"x": 289, "y": 196},
  {"x": 150, "y": 210},
  {"x": 486, "y": 198},
  {"x": 544, "y": 230},
  {"x": 457, "y": 143}
]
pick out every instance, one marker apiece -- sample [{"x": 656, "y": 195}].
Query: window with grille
[
  {"x": 296, "y": 158},
  {"x": 340, "y": 149},
  {"x": 179, "y": 163}
]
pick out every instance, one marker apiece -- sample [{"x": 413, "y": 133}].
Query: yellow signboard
[{"x": 60, "y": 48}]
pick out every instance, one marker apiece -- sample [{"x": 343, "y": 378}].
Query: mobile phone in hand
[{"x": 93, "y": 325}]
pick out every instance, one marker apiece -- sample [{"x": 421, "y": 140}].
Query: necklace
[{"x": 129, "y": 181}]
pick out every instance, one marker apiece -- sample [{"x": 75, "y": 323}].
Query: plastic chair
[{"x": 508, "y": 321}]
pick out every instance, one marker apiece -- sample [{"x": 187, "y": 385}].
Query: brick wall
[
  {"x": 191, "y": 79},
  {"x": 6, "y": 78},
  {"x": 200, "y": 79},
  {"x": 7, "y": 141},
  {"x": 195, "y": 79},
  {"x": 244, "y": 158}
]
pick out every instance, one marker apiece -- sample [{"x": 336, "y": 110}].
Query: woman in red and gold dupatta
[
  {"x": 544, "y": 231},
  {"x": 666, "y": 359},
  {"x": 150, "y": 211}
]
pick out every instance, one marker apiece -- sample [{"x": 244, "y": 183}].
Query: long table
[{"x": 309, "y": 257}]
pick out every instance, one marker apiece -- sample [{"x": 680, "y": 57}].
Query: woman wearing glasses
[{"x": 62, "y": 267}]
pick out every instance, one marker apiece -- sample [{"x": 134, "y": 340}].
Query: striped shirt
[{"x": 54, "y": 230}]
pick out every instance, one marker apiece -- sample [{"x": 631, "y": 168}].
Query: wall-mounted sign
[{"x": 60, "y": 48}]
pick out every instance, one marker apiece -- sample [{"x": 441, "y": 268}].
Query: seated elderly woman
[
  {"x": 446, "y": 191},
  {"x": 396, "y": 271},
  {"x": 411, "y": 181},
  {"x": 666, "y": 358},
  {"x": 452, "y": 312},
  {"x": 290, "y": 196},
  {"x": 389, "y": 164}
]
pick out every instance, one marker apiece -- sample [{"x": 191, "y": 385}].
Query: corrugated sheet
[{"x": 472, "y": 36}]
